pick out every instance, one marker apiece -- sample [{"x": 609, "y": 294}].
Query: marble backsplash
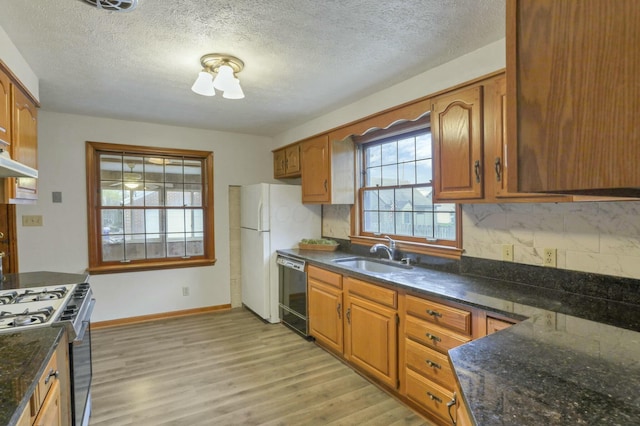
[{"x": 594, "y": 237}]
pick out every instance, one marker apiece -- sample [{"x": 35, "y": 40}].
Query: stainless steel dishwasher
[{"x": 293, "y": 293}]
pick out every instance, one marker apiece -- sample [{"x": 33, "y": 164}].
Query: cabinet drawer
[
  {"x": 431, "y": 364},
  {"x": 430, "y": 395},
  {"x": 433, "y": 335},
  {"x": 48, "y": 377},
  {"x": 495, "y": 324},
  {"x": 372, "y": 292},
  {"x": 437, "y": 313},
  {"x": 325, "y": 276}
]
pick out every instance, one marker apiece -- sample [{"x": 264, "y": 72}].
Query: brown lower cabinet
[
  {"x": 397, "y": 339},
  {"x": 49, "y": 404}
]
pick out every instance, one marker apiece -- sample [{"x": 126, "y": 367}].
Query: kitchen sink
[{"x": 372, "y": 265}]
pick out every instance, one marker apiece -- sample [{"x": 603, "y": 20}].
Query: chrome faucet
[{"x": 391, "y": 249}]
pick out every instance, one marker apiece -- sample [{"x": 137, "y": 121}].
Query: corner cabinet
[
  {"x": 573, "y": 91},
  {"x": 5, "y": 109},
  {"x": 328, "y": 170},
  {"x": 286, "y": 162}
]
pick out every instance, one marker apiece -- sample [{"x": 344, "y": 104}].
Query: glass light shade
[
  {"x": 204, "y": 84},
  {"x": 234, "y": 91},
  {"x": 131, "y": 185},
  {"x": 224, "y": 79}
]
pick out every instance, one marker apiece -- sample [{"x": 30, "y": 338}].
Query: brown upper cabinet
[
  {"x": 328, "y": 170},
  {"x": 286, "y": 162},
  {"x": 573, "y": 93},
  {"x": 457, "y": 133},
  {"x": 22, "y": 132}
]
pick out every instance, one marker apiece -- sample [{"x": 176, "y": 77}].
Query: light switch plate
[{"x": 34, "y": 220}]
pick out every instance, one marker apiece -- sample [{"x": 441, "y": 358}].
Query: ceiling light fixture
[{"x": 225, "y": 68}]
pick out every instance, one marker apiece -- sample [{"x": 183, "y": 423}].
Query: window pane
[
  {"x": 386, "y": 223},
  {"x": 407, "y": 173},
  {"x": 424, "y": 171},
  {"x": 173, "y": 172},
  {"x": 371, "y": 223},
  {"x": 423, "y": 224},
  {"x": 195, "y": 246},
  {"x": 111, "y": 193},
  {"x": 175, "y": 221},
  {"x": 134, "y": 197},
  {"x": 445, "y": 227},
  {"x": 406, "y": 150},
  {"x": 112, "y": 222},
  {"x": 133, "y": 221},
  {"x": 404, "y": 200},
  {"x": 154, "y": 169},
  {"x": 195, "y": 223},
  {"x": 156, "y": 246},
  {"x": 389, "y": 153},
  {"x": 404, "y": 223},
  {"x": 193, "y": 195},
  {"x": 370, "y": 200},
  {"x": 153, "y": 194},
  {"x": 390, "y": 175},
  {"x": 174, "y": 195},
  {"x": 423, "y": 146},
  {"x": 422, "y": 199},
  {"x": 134, "y": 246},
  {"x": 373, "y": 156},
  {"x": 386, "y": 199},
  {"x": 112, "y": 249},
  {"x": 176, "y": 245},
  {"x": 111, "y": 167},
  {"x": 373, "y": 177},
  {"x": 193, "y": 171}
]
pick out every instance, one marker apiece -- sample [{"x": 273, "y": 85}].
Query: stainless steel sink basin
[{"x": 372, "y": 265}]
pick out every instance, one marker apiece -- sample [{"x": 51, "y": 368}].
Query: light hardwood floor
[{"x": 228, "y": 368}]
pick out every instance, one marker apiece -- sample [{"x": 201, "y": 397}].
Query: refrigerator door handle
[{"x": 260, "y": 227}]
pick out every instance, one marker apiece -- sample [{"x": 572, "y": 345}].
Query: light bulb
[
  {"x": 204, "y": 84},
  {"x": 224, "y": 79},
  {"x": 234, "y": 91}
]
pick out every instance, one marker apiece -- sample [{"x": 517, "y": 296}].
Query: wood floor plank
[{"x": 228, "y": 368}]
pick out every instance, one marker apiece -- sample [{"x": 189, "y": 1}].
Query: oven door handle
[{"x": 85, "y": 322}]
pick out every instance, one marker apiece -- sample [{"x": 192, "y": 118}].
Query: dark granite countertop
[
  {"x": 40, "y": 279},
  {"x": 23, "y": 358},
  {"x": 575, "y": 359}
]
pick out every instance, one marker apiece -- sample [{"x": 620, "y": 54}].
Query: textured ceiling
[{"x": 303, "y": 58}]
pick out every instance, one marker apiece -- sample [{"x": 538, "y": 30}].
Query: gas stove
[{"x": 45, "y": 306}]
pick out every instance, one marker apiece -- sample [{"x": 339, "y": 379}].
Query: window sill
[
  {"x": 417, "y": 248},
  {"x": 149, "y": 266}
]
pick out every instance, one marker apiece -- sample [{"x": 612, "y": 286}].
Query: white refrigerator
[{"x": 272, "y": 217}]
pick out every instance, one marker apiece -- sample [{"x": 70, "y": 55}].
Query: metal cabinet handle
[
  {"x": 433, "y": 364},
  {"x": 325, "y": 185},
  {"x": 476, "y": 169},
  {"x": 451, "y": 404},
  {"x": 339, "y": 309},
  {"x": 349, "y": 315},
  {"x": 498, "y": 167},
  {"x": 52, "y": 373},
  {"x": 434, "y": 313},
  {"x": 434, "y": 397},
  {"x": 433, "y": 337}
]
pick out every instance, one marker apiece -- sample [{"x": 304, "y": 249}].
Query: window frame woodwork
[{"x": 99, "y": 266}]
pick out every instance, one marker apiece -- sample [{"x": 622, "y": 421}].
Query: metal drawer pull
[
  {"x": 434, "y": 338},
  {"x": 52, "y": 373},
  {"x": 433, "y": 397},
  {"x": 434, "y": 313},
  {"x": 433, "y": 364},
  {"x": 450, "y": 404}
]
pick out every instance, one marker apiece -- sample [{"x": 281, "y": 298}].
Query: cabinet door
[
  {"x": 573, "y": 95},
  {"x": 279, "y": 159},
  {"x": 292, "y": 160},
  {"x": 316, "y": 170},
  {"x": 325, "y": 315},
  {"x": 49, "y": 414},
  {"x": 5, "y": 109},
  {"x": 457, "y": 131},
  {"x": 371, "y": 339},
  {"x": 24, "y": 145}
]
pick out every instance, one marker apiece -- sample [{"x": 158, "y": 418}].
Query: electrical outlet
[
  {"x": 31, "y": 220},
  {"x": 549, "y": 257},
  {"x": 185, "y": 291},
  {"x": 507, "y": 252}
]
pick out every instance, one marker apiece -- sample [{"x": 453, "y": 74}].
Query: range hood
[{"x": 11, "y": 168}]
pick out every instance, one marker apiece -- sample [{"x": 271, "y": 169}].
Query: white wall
[
  {"x": 16, "y": 63},
  {"x": 61, "y": 243},
  {"x": 483, "y": 61}
]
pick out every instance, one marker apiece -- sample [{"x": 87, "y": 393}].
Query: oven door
[{"x": 81, "y": 373}]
